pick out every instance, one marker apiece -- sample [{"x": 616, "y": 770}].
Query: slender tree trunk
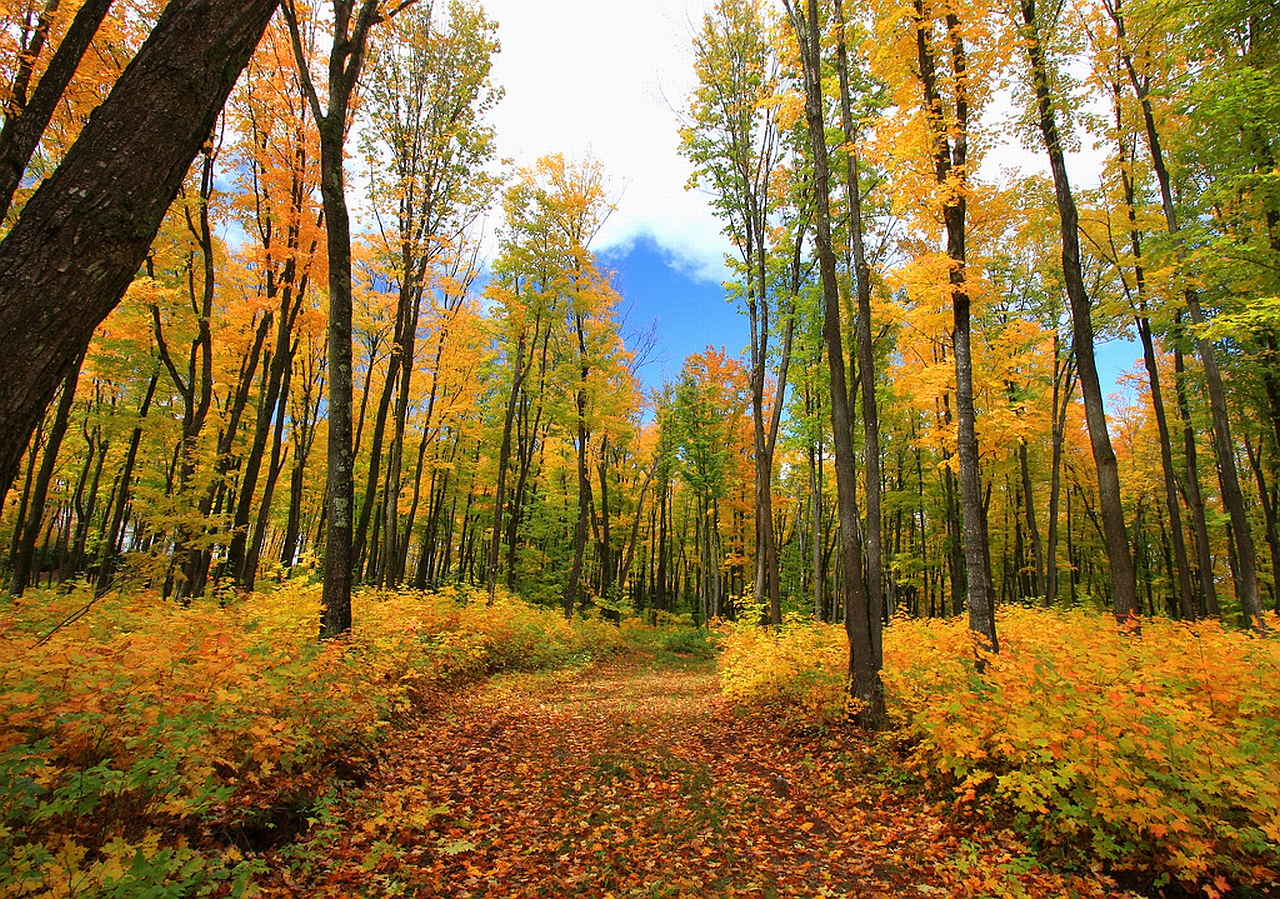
[
  {"x": 950, "y": 149},
  {"x": 23, "y": 560},
  {"x": 866, "y": 346},
  {"x": 519, "y": 370},
  {"x": 1063, "y": 387},
  {"x": 1223, "y": 444},
  {"x": 25, "y": 122},
  {"x": 1119, "y": 556},
  {"x": 111, "y": 544},
  {"x": 861, "y": 625},
  {"x": 345, "y": 59},
  {"x": 1191, "y": 487}
]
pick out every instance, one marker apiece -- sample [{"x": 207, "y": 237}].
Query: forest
[{"x": 368, "y": 381}]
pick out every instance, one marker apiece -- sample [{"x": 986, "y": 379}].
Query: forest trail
[{"x": 638, "y": 779}]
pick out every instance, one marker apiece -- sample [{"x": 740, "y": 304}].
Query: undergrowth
[
  {"x": 152, "y": 749},
  {"x": 1150, "y": 750}
]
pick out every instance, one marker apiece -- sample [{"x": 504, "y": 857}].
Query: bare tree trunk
[
  {"x": 346, "y": 56},
  {"x": 22, "y": 562},
  {"x": 861, "y": 626},
  {"x": 24, "y": 126},
  {"x": 1223, "y": 445}
]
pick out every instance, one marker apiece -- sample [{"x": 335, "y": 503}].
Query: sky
[{"x": 606, "y": 80}]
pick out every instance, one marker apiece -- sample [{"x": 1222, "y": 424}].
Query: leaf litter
[{"x": 635, "y": 780}]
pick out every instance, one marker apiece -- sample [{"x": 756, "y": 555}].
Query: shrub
[
  {"x": 1152, "y": 749},
  {"x": 218, "y": 725},
  {"x": 798, "y": 668}
]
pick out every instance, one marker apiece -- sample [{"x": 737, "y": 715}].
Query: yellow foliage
[
  {"x": 1151, "y": 748},
  {"x": 140, "y": 714}
]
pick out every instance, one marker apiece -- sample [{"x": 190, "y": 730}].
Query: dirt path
[{"x": 631, "y": 780}]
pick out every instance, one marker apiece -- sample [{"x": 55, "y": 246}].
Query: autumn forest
[{"x": 365, "y": 379}]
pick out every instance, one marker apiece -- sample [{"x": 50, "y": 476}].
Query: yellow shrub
[
  {"x": 1153, "y": 749},
  {"x": 137, "y": 713}
]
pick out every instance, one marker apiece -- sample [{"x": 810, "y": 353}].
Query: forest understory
[
  {"x": 638, "y": 779},
  {"x": 450, "y": 747}
]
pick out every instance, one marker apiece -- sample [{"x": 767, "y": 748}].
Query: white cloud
[{"x": 605, "y": 79}]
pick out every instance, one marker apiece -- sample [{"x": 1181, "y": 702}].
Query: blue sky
[{"x": 689, "y": 311}]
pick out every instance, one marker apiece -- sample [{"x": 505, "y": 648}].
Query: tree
[
  {"x": 81, "y": 237},
  {"x": 1224, "y": 446},
  {"x": 1119, "y": 556},
  {"x": 350, "y": 41},
  {"x": 428, "y": 148},
  {"x": 862, "y": 623},
  {"x": 733, "y": 139}
]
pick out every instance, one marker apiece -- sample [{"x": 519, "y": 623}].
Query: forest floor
[{"x": 635, "y": 778}]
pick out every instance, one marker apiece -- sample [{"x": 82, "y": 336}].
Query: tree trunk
[
  {"x": 345, "y": 58},
  {"x": 1119, "y": 556},
  {"x": 82, "y": 235},
  {"x": 22, "y": 563},
  {"x": 1223, "y": 445},
  {"x": 1191, "y": 488},
  {"x": 24, "y": 127},
  {"x": 111, "y": 544},
  {"x": 862, "y": 628},
  {"x": 866, "y": 346}
]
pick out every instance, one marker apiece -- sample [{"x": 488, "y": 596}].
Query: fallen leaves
[{"x": 631, "y": 780}]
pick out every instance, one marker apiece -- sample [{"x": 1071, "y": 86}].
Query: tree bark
[
  {"x": 350, "y": 41},
  {"x": 23, "y": 559},
  {"x": 83, "y": 234},
  {"x": 1119, "y": 555},
  {"x": 1223, "y": 445},
  {"x": 862, "y": 628}
]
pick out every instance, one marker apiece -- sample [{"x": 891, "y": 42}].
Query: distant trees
[{"x": 919, "y": 327}]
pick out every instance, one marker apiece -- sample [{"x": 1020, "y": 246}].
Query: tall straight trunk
[
  {"x": 22, "y": 563},
  {"x": 1223, "y": 445},
  {"x": 247, "y": 573},
  {"x": 303, "y": 437},
  {"x": 573, "y": 588},
  {"x": 242, "y": 558},
  {"x": 1033, "y": 526},
  {"x": 520, "y": 369},
  {"x": 624, "y": 572},
  {"x": 1119, "y": 555},
  {"x": 111, "y": 543},
  {"x": 1191, "y": 487},
  {"x": 361, "y": 540},
  {"x": 407, "y": 312},
  {"x": 1063, "y": 387},
  {"x": 1267, "y": 497},
  {"x": 345, "y": 59},
  {"x": 1182, "y": 579},
  {"x": 862, "y": 624},
  {"x": 815, "y": 490},
  {"x": 950, "y": 149},
  {"x": 338, "y": 560},
  {"x": 866, "y": 347},
  {"x": 85, "y": 513}
]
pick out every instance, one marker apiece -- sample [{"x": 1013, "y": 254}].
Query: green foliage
[
  {"x": 226, "y": 724},
  {"x": 1149, "y": 749}
]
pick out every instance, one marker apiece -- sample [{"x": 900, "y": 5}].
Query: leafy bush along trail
[{"x": 636, "y": 779}]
